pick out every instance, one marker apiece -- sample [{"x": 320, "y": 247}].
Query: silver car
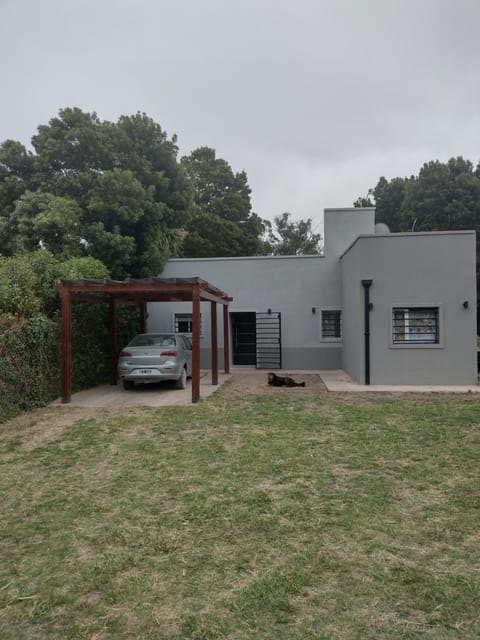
[{"x": 154, "y": 357}]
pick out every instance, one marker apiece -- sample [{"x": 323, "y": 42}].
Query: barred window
[
  {"x": 416, "y": 325},
  {"x": 184, "y": 323},
  {"x": 331, "y": 324}
]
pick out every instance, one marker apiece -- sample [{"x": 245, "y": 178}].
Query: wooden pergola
[{"x": 139, "y": 292}]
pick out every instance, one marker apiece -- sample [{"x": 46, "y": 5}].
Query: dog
[{"x": 283, "y": 381}]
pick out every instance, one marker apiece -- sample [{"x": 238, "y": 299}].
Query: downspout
[{"x": 366, "y": 284}]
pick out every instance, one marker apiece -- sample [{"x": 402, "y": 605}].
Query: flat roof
[
  {"x": 243, "y": 258},
  {"x": 407, "y": 234}
]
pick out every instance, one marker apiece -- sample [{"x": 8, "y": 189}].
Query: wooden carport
[{"x": 139, "y": 292}]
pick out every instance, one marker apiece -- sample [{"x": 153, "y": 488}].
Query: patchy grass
[{"x": 273, "y": 516}]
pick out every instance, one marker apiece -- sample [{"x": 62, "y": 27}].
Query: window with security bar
[
  {"x": 184, "y": 323},
  {"x": 331, "y": 324},
  {"x": 416, "y": 325}
]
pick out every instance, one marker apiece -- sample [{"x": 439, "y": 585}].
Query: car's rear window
[{"x": 153, "y": 340}]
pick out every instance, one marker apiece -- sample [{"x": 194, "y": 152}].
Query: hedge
[{"x": 30, "y": 354}]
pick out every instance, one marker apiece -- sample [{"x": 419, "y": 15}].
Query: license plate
[{"x": 145, "y": 372}]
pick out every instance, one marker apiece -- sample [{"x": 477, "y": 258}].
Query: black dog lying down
[{"x": 283, "y": 381}]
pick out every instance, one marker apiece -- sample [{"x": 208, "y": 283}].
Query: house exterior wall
[
  {"x": 291, "y": 285},
  {"x": 409, "y": 270},
  {"x": 435, "y": 270}
]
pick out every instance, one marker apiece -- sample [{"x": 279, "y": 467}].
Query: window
[
  {"x": 184, "y": 323},
  {"x": 416, "y": 325},
  {"x": 331, "y": 324}
]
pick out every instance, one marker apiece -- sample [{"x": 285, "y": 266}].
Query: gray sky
[{"x": 315, "y": 99}]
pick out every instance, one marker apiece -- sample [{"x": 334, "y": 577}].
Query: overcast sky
[{"x": 315, "y": 99}]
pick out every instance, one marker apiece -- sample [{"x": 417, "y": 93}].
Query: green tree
[
  {"x": 222, "y": 223},
  {"x": 445, "y": 196},
  {"x": 27, "y": 281},
  {"x": 113, "y": 191},
  {"x": 16, "y": 171},
  {"x": 291, "y": 237},
  {"x": 387, "y": 197},
  {"x": 74, "y": 142},
  {"x": 47, "y": 221}
]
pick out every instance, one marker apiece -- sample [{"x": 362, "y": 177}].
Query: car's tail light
[
  {"x": 125, "y": 354},
  {"x": 169, "y": 354}
]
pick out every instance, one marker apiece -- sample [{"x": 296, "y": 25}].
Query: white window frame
[
  {"x": 187, "y": 316},
  {"x": 408, "y": 344},
  {"x": 335, "y": 339}
]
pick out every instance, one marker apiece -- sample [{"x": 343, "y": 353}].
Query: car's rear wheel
[
  {"x": 128, "y": 385},
  {"x": 181, "y": 383}
]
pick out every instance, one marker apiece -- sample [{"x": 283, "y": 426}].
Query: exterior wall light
[{"x": 465, "y": 304}]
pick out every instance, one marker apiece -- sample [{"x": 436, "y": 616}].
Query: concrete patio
[{"x": 154, "y": 395}]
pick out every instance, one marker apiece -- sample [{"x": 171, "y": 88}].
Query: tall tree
[
  {"x": 291, "y": 237},
  {"x": 16, "y": 172},
  {"x": 443, "y": 197},
  {"x": 42, "y": 220},
  {"x": 119, "y": 186},
  {"x": 222, "y": 223}
]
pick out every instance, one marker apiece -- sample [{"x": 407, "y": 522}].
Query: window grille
[
  {"x": 331, "y": 324},
  {"x": 184, "y": 323},
  {"x": 416, "y": 325}
]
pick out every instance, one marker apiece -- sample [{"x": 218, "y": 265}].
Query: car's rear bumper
[{"x": 154, "y": 374}]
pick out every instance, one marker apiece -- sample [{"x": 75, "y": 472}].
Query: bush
[
  {"x": 30, "y": 366},
  {"x": 18, "y": 284},
  {"x": 29, "y": 357}
]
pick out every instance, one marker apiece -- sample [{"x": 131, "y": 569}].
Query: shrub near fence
[
  {"x": 29, "y": 357},
  {"x": 30, "y": 354}
]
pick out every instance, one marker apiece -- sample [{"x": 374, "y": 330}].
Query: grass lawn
[{"x": 272, "y": 516}]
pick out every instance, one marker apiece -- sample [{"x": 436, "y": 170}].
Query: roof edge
[
  {"x": 241, "y": 258},
  {"x": 408, "y": 234}
]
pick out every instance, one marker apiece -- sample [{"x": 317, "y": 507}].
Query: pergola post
[
  {"x": 143, "y": 316},
  {"x": 66, "y": 368},
  {"x": 112, "y": 340},
  {"x": 195, "y": 343},
  {"x": 226, "y": 346},
  {"x": 213, "y": 324}
]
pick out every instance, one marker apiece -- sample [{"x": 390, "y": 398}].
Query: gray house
[{"x": 385, "y": 308}]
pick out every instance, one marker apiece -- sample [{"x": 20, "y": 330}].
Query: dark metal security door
[
  {"x": 269, "y": 340},
  {"x": 244, "y": 338}
]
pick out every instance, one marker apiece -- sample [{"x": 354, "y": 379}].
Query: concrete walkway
[
  {"x": 338, "y": 380},
  {"x": 154, "y": 395}
]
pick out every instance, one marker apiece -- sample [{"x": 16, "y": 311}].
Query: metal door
[{"x": 269, "y": 340}]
